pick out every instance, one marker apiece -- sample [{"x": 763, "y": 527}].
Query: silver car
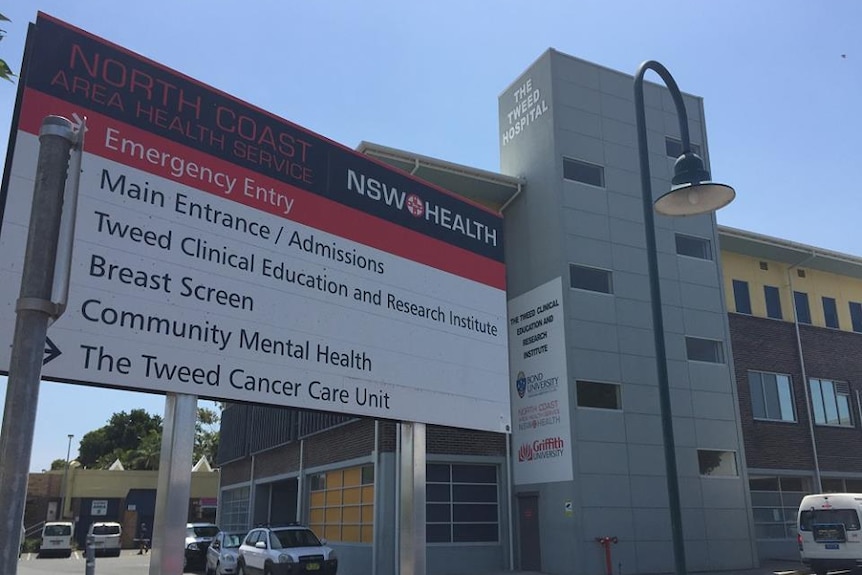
[{"x": 223, "y": 553}]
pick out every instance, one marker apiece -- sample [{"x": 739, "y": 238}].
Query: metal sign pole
[
  {"x": 412, "y": 493},
  {"x": 174, "y": 486},
  {"x": 34, "y": 310}
]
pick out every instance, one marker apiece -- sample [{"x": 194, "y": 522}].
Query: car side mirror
[
  {"x": 323, "y": 541},
  {"x": 215, "y": 545},
  {"x": 260, "y": 544}
]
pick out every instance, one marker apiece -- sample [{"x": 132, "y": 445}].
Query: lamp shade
[{"x": 693, "y": 193}]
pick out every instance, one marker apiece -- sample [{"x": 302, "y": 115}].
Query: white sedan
[{"x": 222, "y": 553}]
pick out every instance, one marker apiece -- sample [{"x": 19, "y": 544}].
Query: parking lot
[{"x": 128, "y": 563}]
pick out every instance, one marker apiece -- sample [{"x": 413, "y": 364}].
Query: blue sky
[{"x": 780, "y": 80}]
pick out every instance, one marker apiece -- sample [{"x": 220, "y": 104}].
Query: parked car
[
  {"x": 285, "y": 551},
  {"x": 223, "y": 553},
  {"x": 57, "y": 539},
  {"x": 198, "y": 539},
  {"x": 106, "y": 537}
]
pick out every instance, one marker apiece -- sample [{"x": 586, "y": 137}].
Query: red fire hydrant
[{"x": 606, "y": 542}]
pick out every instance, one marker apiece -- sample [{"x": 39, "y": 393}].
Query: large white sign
[
  {"x": 225, "y": 253},
  {"x": 540, "y": 399}
]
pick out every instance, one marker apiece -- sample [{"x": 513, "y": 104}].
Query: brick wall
[{"x": 769, "y": 345}]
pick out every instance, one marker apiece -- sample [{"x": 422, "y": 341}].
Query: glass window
[
  {"x": 803, "y": 312},
  {"x": 599, "y": 395},
  {"x": 856, "y": 316},
  {"x": 717, "y": 463},
  {"x": 741, "y": 297},
  {"x": 774, "y": 503},
  {"x": 583, "y": 172},
  {"x": 848, "y": 517},
  {"x": 773, "y": 302},
  {"x": 591, "y": 279},
  {"x": 673, "y": 147},
  {"x": 341, "y": 505},
  {"x": 700, "y": 349},
  {"x": 462, "y": 503},
  {"x": 771, "y": 396},
  {"x": 830, "y": 312},
  {"x": 233, "y": 515},
  {"x": 693, "y": 247},
  {"x": 830, "y": 402}
]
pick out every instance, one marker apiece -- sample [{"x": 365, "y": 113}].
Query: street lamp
[
  {"x": 692, "y": 193},
  {"x": 65, "y": 479}
]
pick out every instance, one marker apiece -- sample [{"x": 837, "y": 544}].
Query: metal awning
[{"x": 490, "y": 189}]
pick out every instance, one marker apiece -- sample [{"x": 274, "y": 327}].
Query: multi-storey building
[
  {"x": 795, "y": 324},
  {"x": 586, "y": 455}
]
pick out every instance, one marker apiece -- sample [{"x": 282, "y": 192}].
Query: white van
[
  {"x": 106, "y": 537},
  {"x": 830, "y": 531},
  {"x": 57, "y": 539}
]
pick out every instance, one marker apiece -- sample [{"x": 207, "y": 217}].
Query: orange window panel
[
  {"x": 332, "y": 532},
  {"x": 318, "y": 499},
  {"x": 352, "y": 495},
  {"x": 368, "y": 494},
  {"x": 352, "y": 476},
  {"x": 350, "y": 533},
  {"x": 334, "y": 479},
  {"x": 316, "y": 516},
  {"x": 368, "y": 514},
  {"x": 333, "y": 498},
  {"x": 367, "y": 534},
  {"x": 333, "y": 515},
  {"x": 351, "y": 514}
]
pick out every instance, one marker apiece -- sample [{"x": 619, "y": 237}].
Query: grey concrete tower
[{"x": 568, "y": 127}]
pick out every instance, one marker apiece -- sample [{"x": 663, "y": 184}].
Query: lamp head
[{"x": 693, "y": 193}]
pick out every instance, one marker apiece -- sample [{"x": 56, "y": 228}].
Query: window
[
  {"x": 234, "y": 509},
  {"x": 699, "y": 349},
  {"x": 775, "y": 503},
  {"x": 599, "y": 395},
  {"x": 342, "y": 505},
  {"x": 803, "y": 312},
  {"x": 741, "y": 297},
  {"x": 830, "y": 401},
  {"x": 461, "y": 503},
  {"x": 830, "y": 312},
  {"x": 590, "y": 279},
  {"x": 856, "y": 316},
  {"x": 717, "y": 463},
  {"x": 583, "y": 172},
  {"x": 771, "y": 396},
  {"x": 773, "y": 302},
  {"x": 848, "y": 517},
  {"x": 693, "y": 247},
  {"x": 673, "y": 147}
]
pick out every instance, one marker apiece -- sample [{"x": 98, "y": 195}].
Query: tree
[
  {"x": 135, "y": 438},
  {"x": 5, "y": 71},
  {"x": 120, "y": 439},
  {"x": 58, "y": 464}
]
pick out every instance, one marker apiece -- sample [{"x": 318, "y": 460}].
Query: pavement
[{"x": 766, "y": 568}]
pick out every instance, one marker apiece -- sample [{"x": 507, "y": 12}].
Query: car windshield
[
  {"x": 297, "y": 538},
  {"x": 203, "y": 531},
  {"x": 106, "y": 530},
  {"x": 232, "y": 540},
  {"x": 58, "y": 530}
]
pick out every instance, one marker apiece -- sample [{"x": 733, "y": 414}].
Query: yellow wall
[
  {"x": 816, "y": 284},
  {"x": 116, "y": 484}
]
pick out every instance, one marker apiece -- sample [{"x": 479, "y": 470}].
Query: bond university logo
[
  {"x": 547, "y": 448},
  {"x": 521, "y": 384}
]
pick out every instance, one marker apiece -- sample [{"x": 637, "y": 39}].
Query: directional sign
[
  {"x": 51, "y": 351},
  {"x": 224, "y": 252}
]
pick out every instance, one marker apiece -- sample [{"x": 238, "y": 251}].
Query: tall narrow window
[
  {"x": 583, "y": 172},
  {"x": 773, "y": 302},
  {"x": 830, "y": 312},
  {"x": 803, "y": 312},
  {"x": 830, "y": 401},
  {"x": 591, "y": 279},
  {"x": 771, "y": 396},
  {"x": 693, "y": 247},
  {"x": 741, "y": 297},
  {"x": 856, "y": 316}
]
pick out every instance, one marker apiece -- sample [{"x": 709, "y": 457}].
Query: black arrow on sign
[{"x": 51, "y": 351}]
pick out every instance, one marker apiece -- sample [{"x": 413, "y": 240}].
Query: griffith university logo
[
  {"x": 521, "y": 384},
  {"x": 415, "y": 206},
  {"x": 547, "y": 448}
]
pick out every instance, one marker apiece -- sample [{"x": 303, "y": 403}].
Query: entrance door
[{"x": 528, "y": 528}]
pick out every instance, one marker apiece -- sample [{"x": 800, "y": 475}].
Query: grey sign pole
[
  {"x": 412, "y": 505},
  {"x": 34, "y": 310},
  {"x": 174, "y": 486}
]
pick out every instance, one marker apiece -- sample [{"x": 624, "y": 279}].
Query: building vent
[
  {"x": 764, "y": 266},
  {"x": 800, "y": 273}
]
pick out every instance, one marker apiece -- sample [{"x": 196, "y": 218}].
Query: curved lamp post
[{"x": 692, "y": 193}]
